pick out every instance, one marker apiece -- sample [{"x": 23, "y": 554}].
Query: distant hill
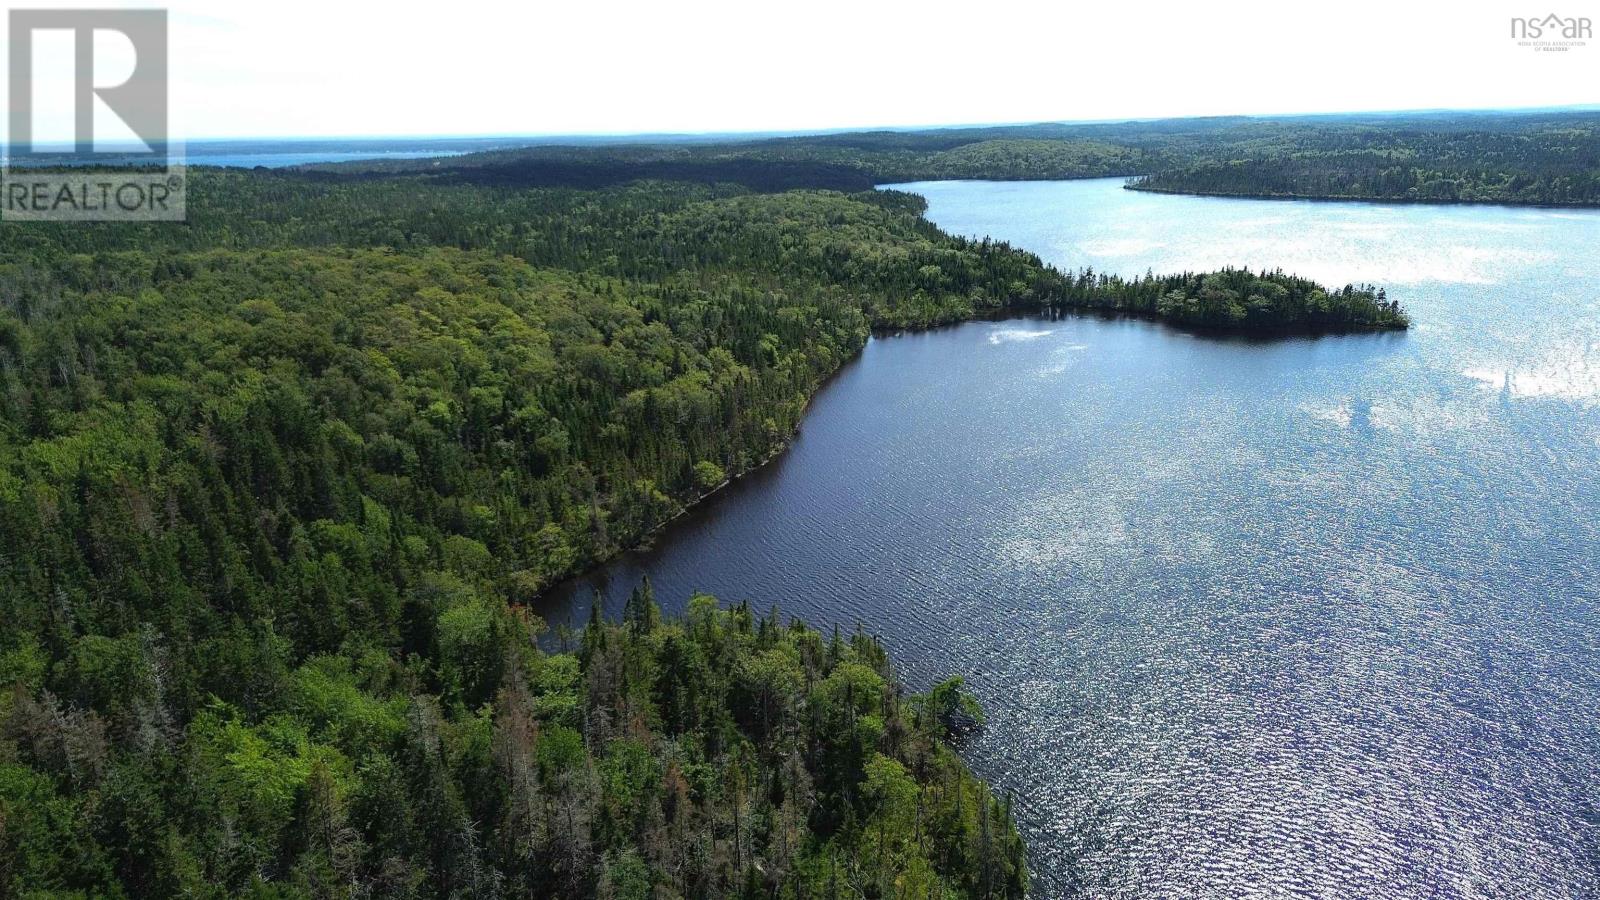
[{"x": 1533, "y": 157}]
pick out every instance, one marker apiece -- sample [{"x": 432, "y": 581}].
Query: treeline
[
  {"x": 778, "y": 164},
  {"x": 1380, "y": 176},
  {"x": 1546, "y": 159},
  {"x": 1536, "y": 158},
  {"x": 599, "y": 169}
]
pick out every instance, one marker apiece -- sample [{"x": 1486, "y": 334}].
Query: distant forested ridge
[
  {"x": 278, "y": 484},
  {"x": 852, "y": 162},
  {"x": 1550, "y": 158}
]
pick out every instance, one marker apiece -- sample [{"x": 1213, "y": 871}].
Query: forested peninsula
[
  {"x": 1539, "y": 160},
  {"x": 278, "y": 485}
]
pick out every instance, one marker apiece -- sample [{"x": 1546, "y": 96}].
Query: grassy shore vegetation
[{"x": 275, "y": 484}]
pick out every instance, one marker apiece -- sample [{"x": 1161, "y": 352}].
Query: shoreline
[
  {"x": 648, "y": 540},
  {"x": 1337, "y": 198}
]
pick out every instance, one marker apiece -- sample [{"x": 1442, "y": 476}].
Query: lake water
[
  {"x": 1251, "y": 618},
  {"x": 278, "y": 153},
  {"x": 272, "y": 159}
]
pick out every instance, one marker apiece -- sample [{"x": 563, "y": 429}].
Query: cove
[{"x": 1249, "y": 617}]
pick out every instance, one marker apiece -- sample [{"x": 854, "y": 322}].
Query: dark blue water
[{"x": 1251, "y": 619}]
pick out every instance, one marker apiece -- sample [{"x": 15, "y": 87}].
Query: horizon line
[{"x": 847, "y": 129}]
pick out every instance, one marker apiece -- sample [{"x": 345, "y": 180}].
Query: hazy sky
[{"x": 294, "y": 68}]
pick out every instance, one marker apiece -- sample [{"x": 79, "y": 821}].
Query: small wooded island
[{"x": 1238, "y": 300}]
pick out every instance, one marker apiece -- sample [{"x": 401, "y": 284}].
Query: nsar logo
[{"x": 1553, "y": 32}]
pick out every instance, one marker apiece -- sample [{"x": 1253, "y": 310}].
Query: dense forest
[
  {"x": 1534, "y": 158},
  {"x": 277, "y": 485},
  {"x": 726, "y": 754},
  {"x": 271, "y": 482}
]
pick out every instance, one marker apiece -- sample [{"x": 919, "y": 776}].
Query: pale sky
[{"x": 335, "y": 68}]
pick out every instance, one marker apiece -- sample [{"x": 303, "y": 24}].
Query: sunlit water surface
[{"x": 1251, "y": 619}]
